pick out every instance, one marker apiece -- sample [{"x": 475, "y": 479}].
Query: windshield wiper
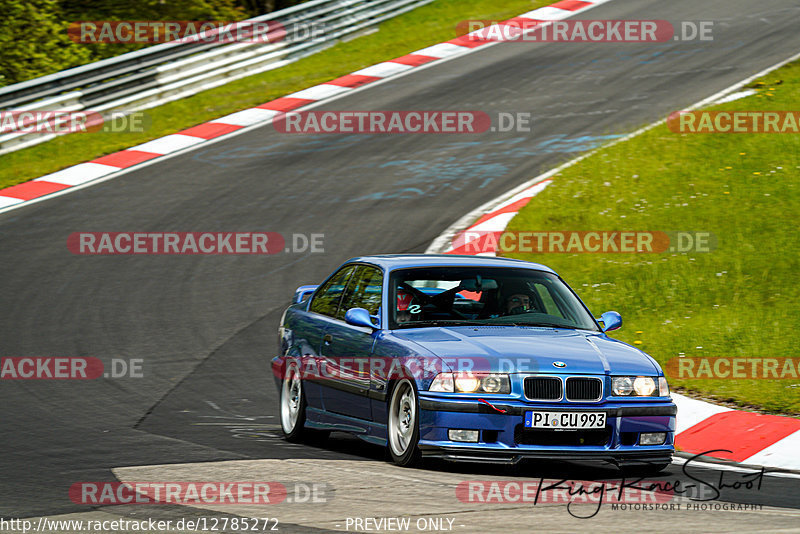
[
  {"x": 440, "y": 322},
  {"x": 545, "y": 325}
]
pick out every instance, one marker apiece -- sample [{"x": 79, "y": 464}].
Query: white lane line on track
[
  {"x": 440, "y": 244},
  {"x": 246, "y": 129},
  {"x": 735, "y": 96}
]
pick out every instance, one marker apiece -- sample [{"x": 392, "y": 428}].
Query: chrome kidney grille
[
  {"x": 584, "y": 389},
  {"x": 543, "y": 388},
  {"x": 551, "y": 388}
]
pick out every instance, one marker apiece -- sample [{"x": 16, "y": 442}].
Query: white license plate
[{"x": 565, "y": 420}]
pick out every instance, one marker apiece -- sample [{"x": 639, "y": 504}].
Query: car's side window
[
  {"x": 327, "y": 298},
  {"x": 363, "y": 291}
]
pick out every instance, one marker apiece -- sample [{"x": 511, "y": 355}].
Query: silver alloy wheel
[
  {"x": 291, "y": 401},
  {"x": 402, "y": 418}
]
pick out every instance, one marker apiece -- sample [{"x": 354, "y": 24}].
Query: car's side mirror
[
  {"x": 611, "y": 321},
  {"x": 359, "y": 317}
]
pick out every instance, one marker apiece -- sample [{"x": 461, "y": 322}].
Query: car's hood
[{"x": 513, "y": 349}]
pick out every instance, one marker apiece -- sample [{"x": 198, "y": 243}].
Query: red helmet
[{"x": 404, "y": 299}]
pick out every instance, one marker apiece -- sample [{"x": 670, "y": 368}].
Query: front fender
[{"x": 399, "y": 358}]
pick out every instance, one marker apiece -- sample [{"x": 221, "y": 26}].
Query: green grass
[
  {"x": 741, "y": 299},
  {"x": 416, "y": 29}
]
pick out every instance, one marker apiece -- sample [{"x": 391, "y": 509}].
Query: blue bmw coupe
[{"x": 468, "y": 359}]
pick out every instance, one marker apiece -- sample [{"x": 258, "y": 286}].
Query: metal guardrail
[{"x": 170, "y": 71}]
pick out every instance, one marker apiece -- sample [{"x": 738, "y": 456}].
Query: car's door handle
[{"x": 327, "y": 339}]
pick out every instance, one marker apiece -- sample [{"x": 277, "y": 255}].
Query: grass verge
[
  {"x": 739, "y": 300},
  {"x": 424, "y": 26}
]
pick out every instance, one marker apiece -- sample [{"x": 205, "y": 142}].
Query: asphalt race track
[{"x": 205, "y": 326}]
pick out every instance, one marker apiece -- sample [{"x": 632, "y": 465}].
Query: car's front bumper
[{"x": 503, "y": 437}]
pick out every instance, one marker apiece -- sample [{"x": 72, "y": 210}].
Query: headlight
[
  {"x": 621, "y": 386},
  {"x": 442, "y": 383},
  {"x": 663, "y": 387},
  {"x": 644, "y": 386},
  {"x": 638, "y": 386},
  {"x": 492, "y": 383},
  {"x": 467, "y": 384}
]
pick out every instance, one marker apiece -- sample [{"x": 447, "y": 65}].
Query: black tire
[
  {"x": 298, "y": 432},
  {"x": 292, "y": 406},
  {"x": 403, "y": 424}
]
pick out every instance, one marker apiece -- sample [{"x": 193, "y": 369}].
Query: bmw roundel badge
[{"x": 559, "y": 364}]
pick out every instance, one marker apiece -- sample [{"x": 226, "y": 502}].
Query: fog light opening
[
  {"x": 463, "y": 435},
  {"x": 652, "y": 438}
]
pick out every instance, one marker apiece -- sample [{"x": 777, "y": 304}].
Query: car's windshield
[{"x": 454, "y": 296}]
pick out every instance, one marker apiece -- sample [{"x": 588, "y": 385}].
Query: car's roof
[{"x": 391, "y": 262}]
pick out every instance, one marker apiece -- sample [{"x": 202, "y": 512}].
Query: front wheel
[{"x": 404, "y": 424}]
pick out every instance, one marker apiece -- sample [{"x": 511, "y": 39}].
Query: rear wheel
[
  {"x": 293, "y": 406},
  {"x": 293, "y": 411},
  {"x": 404, "y": 424}
]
